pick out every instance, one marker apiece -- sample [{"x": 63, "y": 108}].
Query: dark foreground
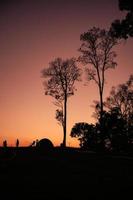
[{"x": 64, "y": 174}]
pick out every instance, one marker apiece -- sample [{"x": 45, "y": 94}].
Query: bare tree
[
  {"x": 60, "y": 79},
  {"x": 96, "y": 51}
]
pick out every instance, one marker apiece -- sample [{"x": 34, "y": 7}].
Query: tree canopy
[
  {"x": 85, "y": 133},
  {"x": 124, "y": 28}
]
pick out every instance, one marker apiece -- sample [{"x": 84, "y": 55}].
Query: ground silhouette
[{"x": 67, "y": 173}]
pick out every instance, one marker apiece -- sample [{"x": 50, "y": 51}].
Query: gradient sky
[{"x": 33, "y": 33}]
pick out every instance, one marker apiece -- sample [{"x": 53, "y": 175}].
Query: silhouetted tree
[
  {"x": 96, "y": 52},
  {"x": 124, "y": 28},
  {"x": 96, "y": 107},
  {"x": 61, "y": 76},
  {"x": 85, "y": 133},
  {"x": 115, "y": 129},
  {"x": 121, "y": 97}
]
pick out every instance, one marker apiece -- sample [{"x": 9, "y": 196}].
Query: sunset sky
[{"x": 33, "y": 33}]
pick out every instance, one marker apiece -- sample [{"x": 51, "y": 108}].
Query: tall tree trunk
[
  {"x": 101, "y": 121},
  {"x": 101, "y": 104},
  {"x": 65, "y": 120}
]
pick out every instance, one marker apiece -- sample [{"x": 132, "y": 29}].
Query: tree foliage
[
  {"x": 124, "y": 28},
  {"x": 115, "y": 129},
  {"x": 85, "y": 133},
  {"x": 61, "y": 75},
  {"x": 59, "y": 116},
  {"x": 121, "y": 97}
]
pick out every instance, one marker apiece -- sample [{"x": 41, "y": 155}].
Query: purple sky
[{"x": 33, "y": 33}]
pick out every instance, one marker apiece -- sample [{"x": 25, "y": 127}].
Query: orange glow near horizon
[{"x": 32, "y": 35}]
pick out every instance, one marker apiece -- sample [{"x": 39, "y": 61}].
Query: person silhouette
[
  {"x": 17, "y": 143},
  {"x": 33, "y": 144},
  {"x": 4, "y": 143},
  {"x": 37, "y": 142}
]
